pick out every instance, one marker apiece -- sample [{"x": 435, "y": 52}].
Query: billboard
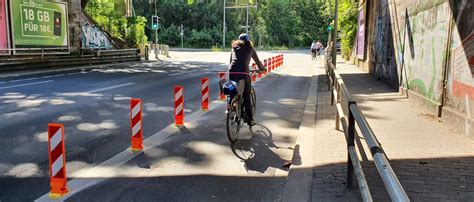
[
  {"x": 39, "y": 24},
  {"x": 4, "y": 37},
  {"x": 361, "y": 35}
]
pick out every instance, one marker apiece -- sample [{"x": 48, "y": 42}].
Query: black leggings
[{"x": 247, "y": 94}]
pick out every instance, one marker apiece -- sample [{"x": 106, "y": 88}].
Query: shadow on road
[{"x": 257, "y": 151}]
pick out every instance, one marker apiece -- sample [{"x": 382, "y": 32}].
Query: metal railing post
[
  {"x": 146, "y": 53},
  {"x": 350, "y": 142},
  {"x": 338, "y": 100},
  {"x": 332, "y": 85}
]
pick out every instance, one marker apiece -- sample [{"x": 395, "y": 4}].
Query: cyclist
[
  {"x": 316, "y": 47},
  {"x": 242, "y": 52}
]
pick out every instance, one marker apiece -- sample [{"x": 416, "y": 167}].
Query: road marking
[
  {"x": 177, "y": 74},
  {"x": 29, "y": 79},
  {"x": 27, "y": 84},
  {"x": 73, "y": 73},
  {"x": 110, "y": 88},
  {"x": 78, "y": 183}
]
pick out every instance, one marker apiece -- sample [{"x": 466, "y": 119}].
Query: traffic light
[
  {"x": 330, "y": 28},
  {"x": 154, "y": 22}
]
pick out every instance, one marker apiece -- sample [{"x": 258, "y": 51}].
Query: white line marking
[
  {"x": 27, "y": 84},
  {"x": 177, "y": 74},
  {"x": 73, "y": 73},
  {"x": 57, "y": 165},
  {"x": 109, "y": 88},
  {"x": 17, "y": 80},
  {"x": 29, "y": 79},
  {"x": 56, "y": 139}
]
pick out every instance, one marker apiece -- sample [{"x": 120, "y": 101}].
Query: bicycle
[{"x": 236, "y": 114}]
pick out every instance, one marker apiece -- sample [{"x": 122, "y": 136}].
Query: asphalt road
[{"x": 195, "y": 162}]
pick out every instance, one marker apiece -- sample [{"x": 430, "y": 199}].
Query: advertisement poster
[
  {"x": 361, "y": 35},
  {"x": 4, "y": 41},
  {"x": 39, "y": 24}
]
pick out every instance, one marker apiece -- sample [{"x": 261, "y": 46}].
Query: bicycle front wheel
[
  {"x": 254, "y": 102},
  {"x": 233, "y": 122}
]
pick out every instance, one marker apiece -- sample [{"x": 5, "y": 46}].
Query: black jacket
[{"x": 240, "y": 57}]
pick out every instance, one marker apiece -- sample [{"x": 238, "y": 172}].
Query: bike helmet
[{"x": 244, "y": 37}]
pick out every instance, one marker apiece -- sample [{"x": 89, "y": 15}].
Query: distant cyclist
[
  {"x": 316, "y": 47},
  {"x": 242, "y": 52}
]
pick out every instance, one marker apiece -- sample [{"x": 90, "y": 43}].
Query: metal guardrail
[
  {"x": 113, "y": 52},
  {"x": 390, "y": 180},
  {"x": 37, "y": 51}
]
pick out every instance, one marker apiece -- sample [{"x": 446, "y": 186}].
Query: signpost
[
  {"x": 39, "y": 24},
  {"x": 4, "y": 29}
]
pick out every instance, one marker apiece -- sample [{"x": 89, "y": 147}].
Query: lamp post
[{"x": 334, "y": 34}]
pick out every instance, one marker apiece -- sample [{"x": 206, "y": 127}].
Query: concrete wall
[
  {"x": 459, "y": 104},
  {"x": 75, "y": 22},
  {"x": 427, "y": 47},
  {"x": 421, "y": 45}
]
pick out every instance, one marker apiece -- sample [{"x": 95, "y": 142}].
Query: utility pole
[
  {"x": 247, "y": 19},
  {"x": 156, "y": 35},
  {"x": 182, "y": 35},
  {"x": 223, "y": 28},
  {"x": 334, "y": 34}
]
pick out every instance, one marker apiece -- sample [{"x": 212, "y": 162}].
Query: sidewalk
[{"x": 431, "y": 161}]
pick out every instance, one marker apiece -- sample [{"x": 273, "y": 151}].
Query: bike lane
[{"x": 197, "y": 162}]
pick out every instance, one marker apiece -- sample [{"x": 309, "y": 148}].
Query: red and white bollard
[
  {"x": 269, "y": 66},
  {"x": 136, "y": 124},
  {"x": 265, "y": 65},
  {"x": 221, "y": 77},
  {"x": 179, "y": 105},
  {"x": 205, "y": 94},
  {"x": 57, "y": 161},
  {"x": 254, "y": 74}
]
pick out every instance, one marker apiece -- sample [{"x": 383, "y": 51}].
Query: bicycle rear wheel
[{"x": 233, "y": 122}]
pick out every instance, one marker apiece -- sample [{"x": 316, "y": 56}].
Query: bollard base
[
  {"x": 136, "y": 149},
  {"x": 58, "y": 195}
]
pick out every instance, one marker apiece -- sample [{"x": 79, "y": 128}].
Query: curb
[{"x": 300, "y": 176}]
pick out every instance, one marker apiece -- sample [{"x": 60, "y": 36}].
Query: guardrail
[
  {"x": 36, "y": 51},
  {"x": 116, "y": 52},
  {"x": 390, "y": 180}
]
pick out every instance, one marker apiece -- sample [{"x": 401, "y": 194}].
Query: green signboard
[{"x": 39, "y": 24}]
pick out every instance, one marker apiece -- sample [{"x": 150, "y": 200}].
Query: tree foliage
[
  {"x": 348, "y": 13},
  {"x": 290, "y": 23},
  {"x": 131, "y": 30}
]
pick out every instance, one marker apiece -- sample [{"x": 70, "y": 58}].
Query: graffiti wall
[
  {"x": 420, "y": 32},
  {"x": 93, "y": 37},
  {"x": 461, "y": 75},
  {"x": 382, "y": 52}
]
